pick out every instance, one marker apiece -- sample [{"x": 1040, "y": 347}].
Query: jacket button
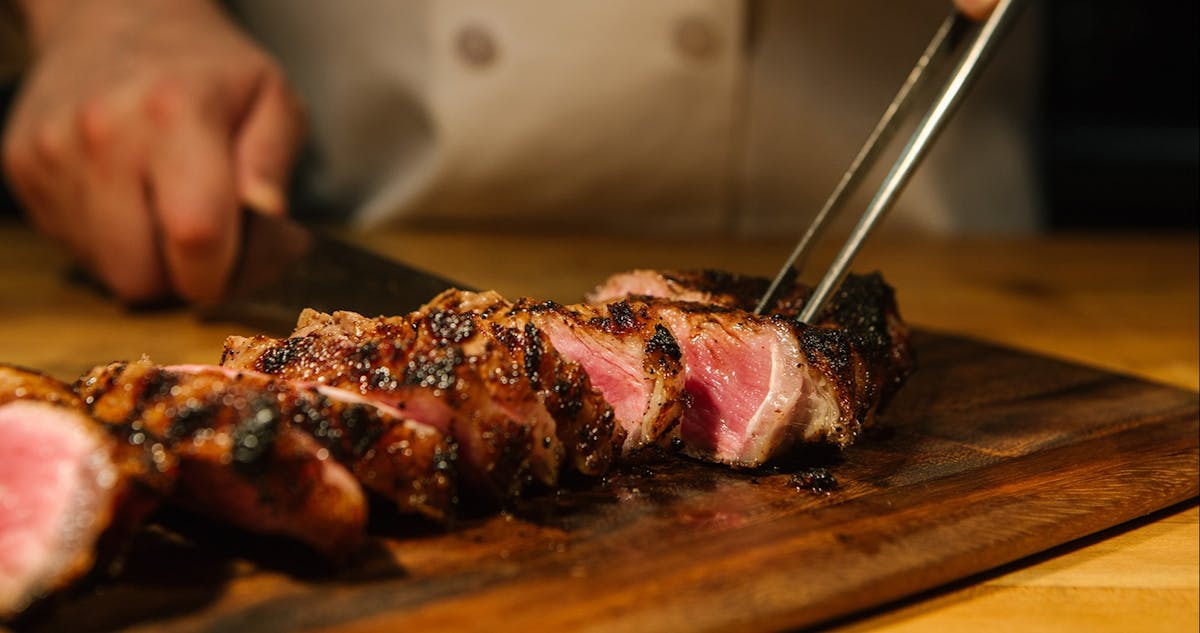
[
  {"x": 695, "y": 38},
  {"x": 476, "y": 46}
]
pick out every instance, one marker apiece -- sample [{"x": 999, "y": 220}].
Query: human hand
[
  {"x": 140, "y": 131},
  {"x": 976, "y": 9}
]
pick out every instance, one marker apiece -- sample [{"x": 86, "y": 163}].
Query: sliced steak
[
  {"x": 864, "y": 308},
  {"x": 759, "y": 384},
  {"x": 240, "y": 460},
  {"x": 583, "y": 419},
  {"x": 752, "y": 390},
  {"x": 67, "y": 492},
  {"x": 406, "y": 462},
  {"x": 630, "y": 356},
  {"x": 409, "y": 463},
  {"x": 438, "y": 371},
  {"x": 699, "y": 286}
]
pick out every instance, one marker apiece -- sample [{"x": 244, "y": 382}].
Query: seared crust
[
  {"x": 859, "y": 343},
  {"x": 628, "y": 323},
  {"x": 20, "y": 383},
  {"x": 583, "y": 419},
  {"x": 699, "y": 286},
  {"x": 239, "y": 458},
  {"x": 410, "y": 464},
  {"x": 433, "y": 368},
  {"x": 864, "y": 309}
]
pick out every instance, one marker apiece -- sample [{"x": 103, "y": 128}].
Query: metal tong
[{"x": 949, "y": 38}]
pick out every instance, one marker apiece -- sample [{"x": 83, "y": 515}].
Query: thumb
[{"x": 266, "y": 147}]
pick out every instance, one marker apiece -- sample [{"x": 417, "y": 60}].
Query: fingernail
[
  {"x": 264, "y": 198},
  {"x": 976, "y": 9}
]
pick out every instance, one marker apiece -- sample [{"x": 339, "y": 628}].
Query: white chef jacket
[{"x": 633, "y": 115}]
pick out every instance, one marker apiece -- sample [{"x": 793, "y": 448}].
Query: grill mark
[
  {"x": 663, "y": 342},
  {"x": 277, "y": 358},
  {"x": 254, "y": 436},
  {"x": 192, "y": 417},
  {"x": 533, "y": 353}
]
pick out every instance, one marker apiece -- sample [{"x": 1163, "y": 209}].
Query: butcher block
[{"x": 1001, "y": 446}]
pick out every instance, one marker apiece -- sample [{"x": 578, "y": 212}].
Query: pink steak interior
[
  {"x": 728, "y": 379},
  {"x": 56, "y": 481}
]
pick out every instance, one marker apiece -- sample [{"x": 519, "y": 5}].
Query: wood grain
[{"x": 992, "y": 455}]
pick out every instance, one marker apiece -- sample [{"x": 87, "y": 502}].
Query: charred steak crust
[
  {"x": 865, "y": 309},
  {"x": 583, "y": 420},
  {"x": 418, "y": 364},
  {"x": 700, "y": 286},
  {"x": 859, "y": 345},
  {"x": 20, "y": 383},
  {"x": 408, "y": 463},
  {"x": 722, "y": 287},
  {"x": 238, "y": 458},
  {"x": 632, "y": 358}
]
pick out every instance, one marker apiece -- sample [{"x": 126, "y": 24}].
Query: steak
[
  {"x": 753, "y": 387},
  {"x": 438, "y": 370},
  {"x": 631, "y": 357},
  {"x": 471, "y": 396},
  {"x": 69, "y": 493},
  {"x": 583, "y": 419},
  {"x": 240, "y": 460},
  {"x": 697, "y": 286},
  {"x": 758, "y": 384},
  {"x": 406, "y": 462}
]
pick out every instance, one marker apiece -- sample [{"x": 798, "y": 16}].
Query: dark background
[
  {"x": 1119, "y": 142},
  {"x": 1119, "y": 145}
]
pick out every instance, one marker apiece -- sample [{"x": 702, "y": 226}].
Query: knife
[{"x": 285, "y": 267}]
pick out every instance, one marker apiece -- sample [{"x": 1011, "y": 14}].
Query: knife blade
[{"x": 285, "y": 267}]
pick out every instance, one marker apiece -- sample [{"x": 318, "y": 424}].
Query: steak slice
[
  {"x": 68, "y": 495},
  {"x": 699, "y": 286},
  {"x": 404, "y": 461},
  {"x": 759, "y": 384},
  {"x": 864, "y": 308},
  {"x": 752, "y": 388},
  {"x": 240, "y": 460},
  {"x": 437, "y": 370},
  {"x": 630, "y": 356},
  {"x": 583, "y": 419}
]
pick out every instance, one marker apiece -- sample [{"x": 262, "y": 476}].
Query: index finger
[{"x": 194, "y": 198}]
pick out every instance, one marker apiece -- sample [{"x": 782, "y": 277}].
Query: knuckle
[
  {"x": 168, "y": 100},
  {"x": 51, "y": 142},
  {"x": 98, "y": 123},
  {"x": 194, "y": 233},
  {"x": 19, "y": 161}
]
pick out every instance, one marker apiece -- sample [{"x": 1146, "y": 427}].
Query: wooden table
[{"x": 1127, "y": 304}]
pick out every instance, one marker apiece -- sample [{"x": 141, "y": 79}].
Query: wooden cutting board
[{"x": 987, "y": 455}]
